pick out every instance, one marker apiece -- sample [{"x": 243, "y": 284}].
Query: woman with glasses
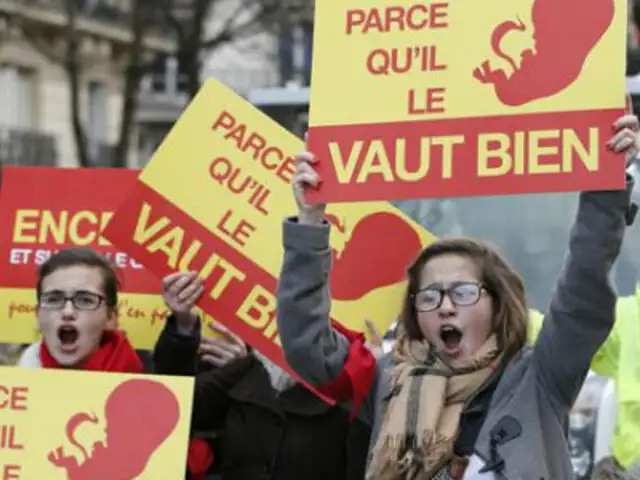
[
  {"x": 461, "y": 395},
  {"x": 77, "y": 310},
  {"x": 77, "y": 299}
]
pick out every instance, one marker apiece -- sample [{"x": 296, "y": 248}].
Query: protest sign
[
  {"x": 72, "y": 425},
  {"x": 44, "y": 210},
  {"x": 447, "y": 99},
  {"x": 213, "y": 199}
]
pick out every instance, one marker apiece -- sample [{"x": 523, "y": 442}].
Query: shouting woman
[
  {"x": 77, "y": 310},
  {"x": 461, "y": 396}
]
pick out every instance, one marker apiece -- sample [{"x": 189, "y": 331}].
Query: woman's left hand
[
  {"x": 180, "y": 292},
  {"x": 375, "y": 343},
  {"x": 626, "y": 138},
  {"x": 222, "y": 347}
]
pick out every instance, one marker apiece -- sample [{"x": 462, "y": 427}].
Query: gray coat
[{"x": 526, "y": 422}]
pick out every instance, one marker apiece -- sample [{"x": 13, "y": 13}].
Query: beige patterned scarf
[{"x": 420, "y": 423}]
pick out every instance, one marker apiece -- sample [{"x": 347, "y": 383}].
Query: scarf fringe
[
  {"x": 439, "y": 396},
  {"x": 399, "y": 461}
]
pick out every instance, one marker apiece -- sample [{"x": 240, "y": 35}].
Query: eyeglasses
[
  {"x": 81, "y": 300},
  {"x": 461, "y": 294}
]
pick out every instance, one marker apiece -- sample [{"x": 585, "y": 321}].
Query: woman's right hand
[
  {"x": 222, "y": 347},
  {"x": 180, "y": 292},
  {"x": 306, "y": 176}
]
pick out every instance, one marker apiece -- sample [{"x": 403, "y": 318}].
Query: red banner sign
[{"x": 44, "y": 210}]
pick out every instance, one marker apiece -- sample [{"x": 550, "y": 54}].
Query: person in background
[
  {"x": 77, "y": 299},
  {"x": 582, "y": 426},
  {"x": 269, "y": 426},
  {"x": 619, "y": 360},
  {"x": 462, "y": 396},
  {"x": 606, "y": 467}
]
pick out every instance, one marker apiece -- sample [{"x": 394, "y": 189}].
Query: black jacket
[{"x": 261, "y": 435}]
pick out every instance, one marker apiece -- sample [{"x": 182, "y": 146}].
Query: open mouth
[
  {"x": 451, "y": 337},
  {"x": 68, "y": 335}
]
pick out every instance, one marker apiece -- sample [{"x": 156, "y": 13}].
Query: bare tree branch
[
  {"x": 69, "y": 59},
  {"x": 133, "y": 76},
  {"x": 247, "y": 18},
  {"x": 190, "y": 51},
  {"x": 244, "y": 20},
  {"x": 73, "y": 69},
  {"x": 225, "y": 32},
  {"x": 169, "y": 8},
  {"x": 74, "y": 64},
  {"x": 234, "y": 29}
]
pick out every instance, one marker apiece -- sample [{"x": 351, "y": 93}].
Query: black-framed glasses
[
  {"x": 461, "y": 294},
  {"x": 81, "y": 300}
]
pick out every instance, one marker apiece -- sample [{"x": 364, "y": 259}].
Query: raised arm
[
  {"x": 326, "y": 355},
  {"x": 582, "y": 309},
  {"x": 176, "y": 353},
  {"x": 181, "y": 349},
  {"x": 312, "y": 348}
]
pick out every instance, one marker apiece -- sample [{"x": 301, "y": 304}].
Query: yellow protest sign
[
  {"x": 213, "y": 199},
  {"x": 442, "y": 99},
  {"x": 71, "y": 425}
]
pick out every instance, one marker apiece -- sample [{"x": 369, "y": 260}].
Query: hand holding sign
[
  {"x": 233, "y": 237},
  {"x": 306, "y": 176},
  {"x": 375, "y": 339},
  {"x": 222, "y": 347},
  {"x": 181, "y": 292},
  {"x": 626, "y": 138},
  {"x": 518, "y": 112}
]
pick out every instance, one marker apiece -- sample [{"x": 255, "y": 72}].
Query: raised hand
[
  {"x": 375, "y": 342},
  {"x": 306, "y": 176},
  {"x": 626, "y": 138},
  {"x": 222, "y": 347},
  {"x": 180, "y": 292}
]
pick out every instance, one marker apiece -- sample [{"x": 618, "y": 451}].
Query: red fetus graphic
[
  {"x": 140, "y": 415},
  {"x": 562, "y": 46},
  {"x": 377, "y": 254}
]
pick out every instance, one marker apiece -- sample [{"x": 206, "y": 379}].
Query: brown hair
[
  {"x": 500, "y": 279},
  {"x": 86, "y": 257}
]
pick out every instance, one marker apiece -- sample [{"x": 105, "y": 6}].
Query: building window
[
  {"x": 17, "y": 97},
  {"x": 286, "y": 53},
  {"x": 168, "y": 76},
  {"x": 307, "y": 30},
  {"x": 295, "y": 50},
  {"x": 20, "y": 141}
]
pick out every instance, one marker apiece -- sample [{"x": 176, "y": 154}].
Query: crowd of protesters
[{"x": 472, "y": 388}]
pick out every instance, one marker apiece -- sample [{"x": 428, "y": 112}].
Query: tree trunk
[
  {"x": 73, "y": 69},
  {"x": 133, "y": 77},
  {"x": 129, "y": 107},
  {"x": 192, "y": 68},
  {"x": 632, "y": 28},
  {"x": 192, "y": 65}
]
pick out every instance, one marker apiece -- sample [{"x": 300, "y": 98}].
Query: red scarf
[
  {"x": 117, "y": 355},
  {"x": 114, "y": 355},
  {"x": 358, "y": 373}
]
